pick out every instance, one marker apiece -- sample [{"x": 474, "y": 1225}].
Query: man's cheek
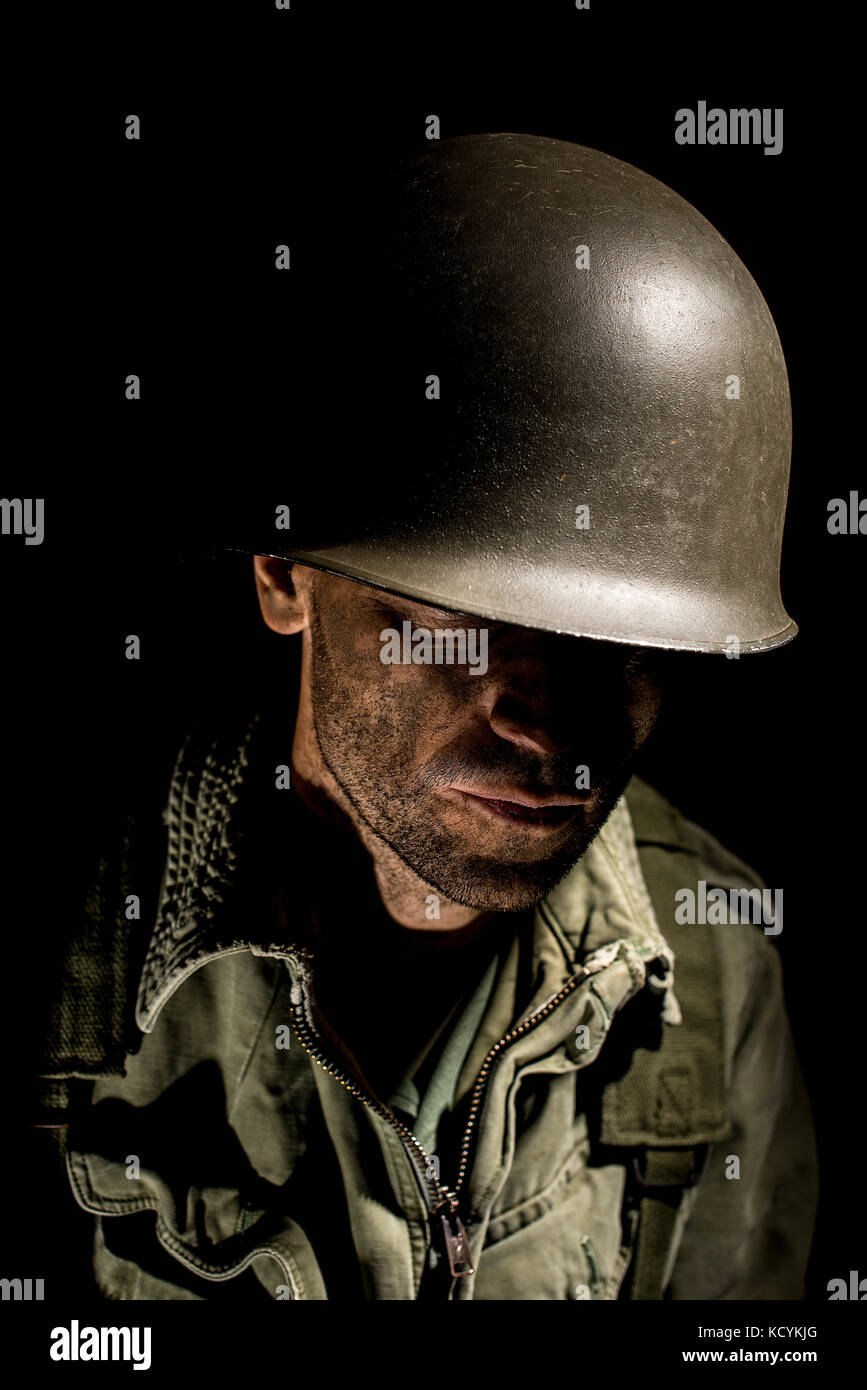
[{"x": 356, "y": 664}]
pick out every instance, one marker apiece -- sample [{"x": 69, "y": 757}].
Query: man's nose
[
  {"x": 529, "y": 723},
  {"x": 545, "y": 692}
]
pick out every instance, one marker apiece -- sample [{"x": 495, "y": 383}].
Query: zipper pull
[{"x": 457, "y": 1244}]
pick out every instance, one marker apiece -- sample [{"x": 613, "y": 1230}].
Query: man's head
[
  {"x": 580, "y": 420},
  {"x": 421, "y": 756}
]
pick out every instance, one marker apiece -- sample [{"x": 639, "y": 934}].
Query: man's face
[{"x": 470, "y": 778}]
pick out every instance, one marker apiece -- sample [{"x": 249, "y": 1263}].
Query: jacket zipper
[{"x": 442, "y": 1202}]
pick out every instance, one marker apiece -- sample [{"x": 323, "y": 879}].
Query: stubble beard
[{"x": 404, "y": 815}]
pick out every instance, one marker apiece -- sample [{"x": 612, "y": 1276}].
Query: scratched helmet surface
[{"x": 593, "y": 442}]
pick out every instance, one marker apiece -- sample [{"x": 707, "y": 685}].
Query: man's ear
[{"x": 283, "y": 607}]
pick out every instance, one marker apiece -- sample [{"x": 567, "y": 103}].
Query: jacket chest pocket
[
  {"x": 568, "y": 1242},
  {"x": 558, "y": 1229}
]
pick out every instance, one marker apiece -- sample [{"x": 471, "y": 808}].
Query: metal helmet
[{"x": 575, "y": 412}]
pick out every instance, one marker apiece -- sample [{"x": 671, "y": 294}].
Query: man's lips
[
  {"x": 524, "y": 807},
  {"x": 521, "y": 796}
]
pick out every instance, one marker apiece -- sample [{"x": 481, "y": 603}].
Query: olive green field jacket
[{"x": 635, "y": 1128}]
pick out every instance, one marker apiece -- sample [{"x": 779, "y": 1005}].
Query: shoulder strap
[{"x": 659, "y": 1180}]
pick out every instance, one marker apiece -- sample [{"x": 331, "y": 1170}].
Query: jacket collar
[{"x": 228, "y": 828}]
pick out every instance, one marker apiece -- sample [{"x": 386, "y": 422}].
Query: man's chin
[
  {"x": 492, "y": 886},
  {"x": 495, "y": 884}
]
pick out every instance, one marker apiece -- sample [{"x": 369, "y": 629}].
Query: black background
[{"x": 157, "y": 257}]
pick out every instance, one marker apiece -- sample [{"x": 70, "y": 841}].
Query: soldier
[{"x": 415, "y": 1017}]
